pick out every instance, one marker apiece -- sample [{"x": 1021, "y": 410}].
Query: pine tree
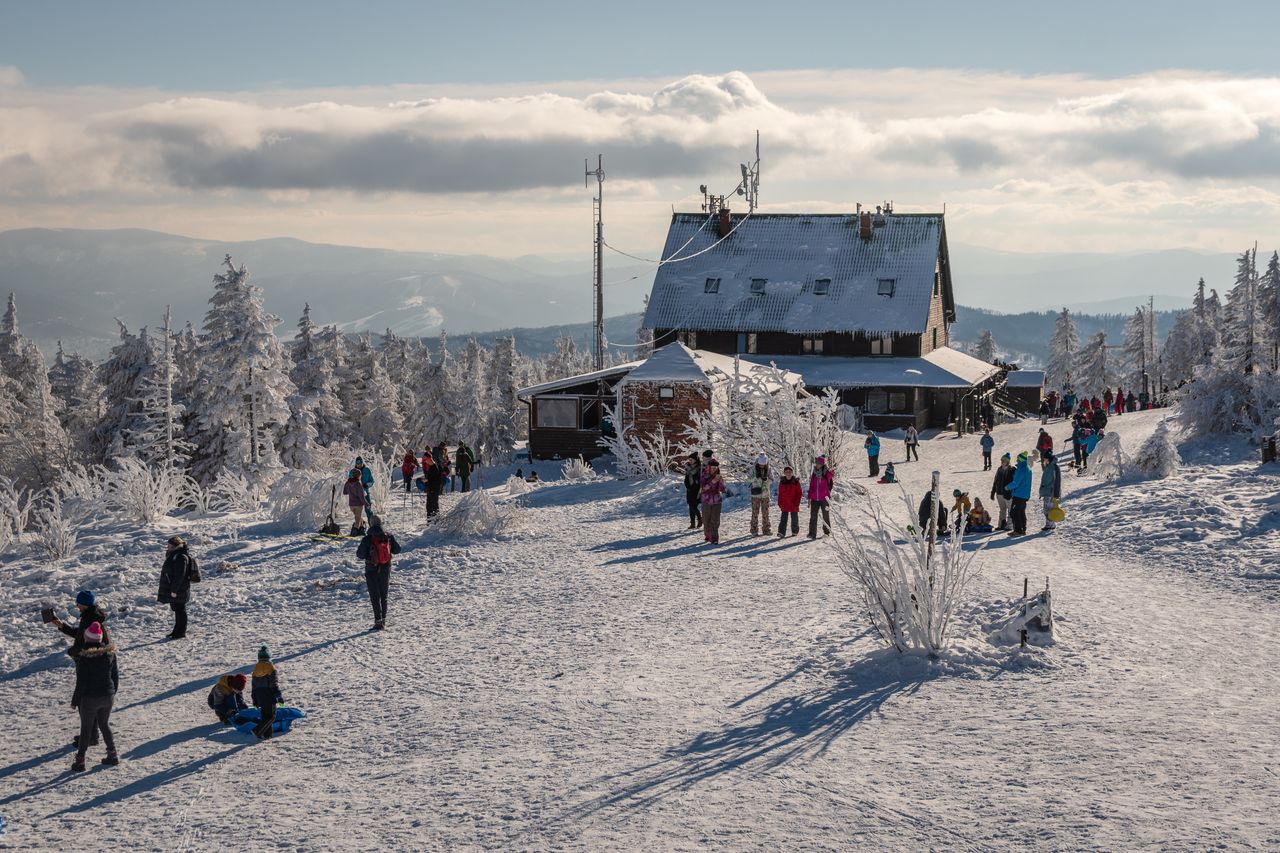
[
  {"x": 1138, "y": 352},
  {"x": 1095, "y": 370},
  {"x": 73, "y": 381},
  {"x": 240, "y": 399},
  {"x": 644, "y": 337},
  {"x": 1064, "y": 350},
  {"x": 374, "y": 410},
  {"x": 1269, "y": 309},
  {"x": 498, "y": 437},
  {"x": 567, "y": 359},
  {"x": 316, "y": 360},
  {"x": 156, "y": 436},
  {"x": 1183, "y": 348},
  {"x": 985, "y": 348},
  {"x": 34, "y": 447},
  {"x": 122, "y": 377},
  {"x": 1240, "y": 325}
]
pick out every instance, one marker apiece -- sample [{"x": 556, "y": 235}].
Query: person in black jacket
[
  {"x": 90, "y": 612},
  {"x": 1003, "y": 477},
  {"x": 435, "y": 484},
  {"x": 693, "y": 490},
  {"x": 922, "y": 515},
  {"x": 97, "y": 680},
  {"x": 464, "y": 464},
  {"x": 266, "y": 693},
  {"x": 376, "y": 549},
  {"x": 175, "y": 584}
]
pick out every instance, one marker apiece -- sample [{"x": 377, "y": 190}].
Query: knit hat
[
  {"x": 1022, "y": 457},
  {"x": 359, "y": 461},
  {"x": 93, "y": 634},
  {"x": 821, "y": 460},
  {"x": 712, "y": 461},
  {"x": 263, "y": 654},
  {"x": 955, "y": 493},
  {"x": 1006, "y": 458},
  {"x": 706, "y": 454},
  {"x": 762, "y": 459},
  {"x": 238, "y": 681},
  {"x": 86, "y": 597}
]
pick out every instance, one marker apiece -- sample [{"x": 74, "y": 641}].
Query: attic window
[
  {"x": 886, "y": 286},
  {"x": 712, "y": 286},
  {"x": 757, "y": 285},
  {"x": 821, "y": 286},
  {"x": 666, "y": 393}
]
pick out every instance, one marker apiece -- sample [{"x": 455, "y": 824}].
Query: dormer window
[
  {"x": 712, "y": 286},
  {"x": 821, "y": 286},
  {"x": 757, "y": 285},
  {"x": 885, "y": 287}
]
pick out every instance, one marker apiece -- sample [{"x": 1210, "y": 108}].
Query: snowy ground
[{"x": 602, "y": 680}]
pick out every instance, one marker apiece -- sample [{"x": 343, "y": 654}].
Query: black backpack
[{"x": 193, "y": 570}]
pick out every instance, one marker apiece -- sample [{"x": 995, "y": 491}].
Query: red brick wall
[{"x": 643, "y": 411}]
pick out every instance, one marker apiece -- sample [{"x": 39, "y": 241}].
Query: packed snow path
[{"x": 606, "y": 681}]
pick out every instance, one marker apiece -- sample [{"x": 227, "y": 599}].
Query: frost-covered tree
[
  {"x": 1138, "y": 353},
  {"x": 34, "y": 447},
  {"x": 438, "y": 419},
  {"x": 1158, "y": 456},
  {"x": 1064, "y": 348},
  {"x": 1183, "y": 347},
  {"x": 240, "y": 398},
  {"x": 567, "y": 359},
  {"x": 316, "y": 355},
  {"x": 985, "y": 348},
  {"x": 1240, "y": 326},
  {"x": 374, "y": 407},
  {"x": 74, "y": 382},
  {"x": 1269, "y": 309},
  {"x": 499, "y": 433},
  {"x": 157, "y": 435},
  {"x": 122, "y": 377},
  {"x": 644, "y": 337},
  {"x": 1095, "y": 369}
]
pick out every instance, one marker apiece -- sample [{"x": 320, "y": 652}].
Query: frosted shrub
[
  {"x": 301, "y": 500},
  {"x": 1158, "y": 456},
  {"x": 15, "y": 512},
  {"x": 143, "y": 495},
  {"x": 84, "y": 492},
  {"x": 1108, "y": 459},
  {"x": 477, "y": 516},
  {"x": 516, "y": 486},
  {"x": 646, "y": 458},
  {"x": 55, "y": 533},
  {"x": 911, "y": 590},
  {"x": 577, "y": 469},
  {"x": 231, "y": 491},
  {"x": 1223, "y": 398}
]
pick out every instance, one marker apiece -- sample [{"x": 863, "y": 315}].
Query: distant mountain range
[{"x": 72, "y": 283}]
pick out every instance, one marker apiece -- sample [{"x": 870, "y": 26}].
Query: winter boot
[
  {"x": 78, "y": 766},
  {"x": 112, "y": 759}
]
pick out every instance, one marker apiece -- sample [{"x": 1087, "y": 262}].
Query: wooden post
[
  {"x": 1025, "y": 583},
  {"x": 932, "y": 524}
]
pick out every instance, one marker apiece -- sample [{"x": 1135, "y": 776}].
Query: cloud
[{"x": 10, "y": 77}]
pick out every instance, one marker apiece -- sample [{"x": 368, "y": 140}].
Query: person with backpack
[
  {"x": 693, "y": 490},
  {"x": 97, "y": 680},
  {"x": 226, "y": 698},
  {"x": 366, "y": 481},
  {"x": 1003, "y": 477},
  {"x": 712, "y": 489},
  {"x": 1044, "y": 412},
  {"x": 176, "y": 576},
  {"x": 912, "y": 441},
  {"x": 266, "y": 693},
  {"x": 1019, "y": 491},
  {"x": 821, "y": 483},
  {"x": 872, "y": 444},
  {"x": 1044, "y": 444},
  {"x": 407, "y": 466},
  {"x": 357, "y": 500},
  {"x": 1050, "y": 489},
  {"x": 759, "y": 485},
  {"x": 435, "y": 483},
  {"x": 922, "y": 514},
  {"x": 988, "y": 444},
  {"x": 789, "y": 497},
  {"x": 465, "y": 464},
  {"x": 376, "y": 549}
]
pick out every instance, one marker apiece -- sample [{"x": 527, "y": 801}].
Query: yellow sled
[{"x": 1056, "y": 513}]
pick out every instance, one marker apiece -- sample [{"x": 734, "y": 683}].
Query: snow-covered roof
[
  {"x": 570, "y": 381},
  {"x": 942, "y": 368},
  {"x": 675, "y": 362},
  {"x": 1025, "y": 379},
  {"x": 790, "y": 252}
]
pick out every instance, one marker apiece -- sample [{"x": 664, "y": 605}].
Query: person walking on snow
[
  {"x": 357, "y": 500},
  {"x": 465, "y": 463},
  {"x": 712, "y": 496},
  {"x": 376, "y": 549},
  {"x": 1044, "y": 444},
  {"x": 1050, "y": 489},
  {"x": 226, "y": 698},
  {"x": 366, "y": 481},
  {"x": 1044, "y": 412},
  {"x": 1108, "y": 399},
  {"x": 1019, "y": 490},
  {"x": 176, "y": 575},
  {"x": 789, "y": 495},
  {"x": 873, "y": 453},
  {"x": 988, "y": 444},
  {"x": 693, "y": 489},
  {"x": 97, "y": 679},
  {"x": 821, "y": 483},
  {"x": 266, "y": 693},
  {"x": 435, "y": 484},
  {"x": 912, "y": 440},
  {"x": 1003, "y": 477},
  {"x": 407, "y": 467},
  {"x": 760, "y": 497}
]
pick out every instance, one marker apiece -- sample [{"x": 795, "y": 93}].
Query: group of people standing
[
  {"x": 437, "y": 471},
  {"x": 705, "y": 491},
  {"x": 1112, "y": 402}
]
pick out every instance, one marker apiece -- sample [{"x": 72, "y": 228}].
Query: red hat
[
  {"x": 238, "y": 681},
  {"x": 93, "y": 634}
]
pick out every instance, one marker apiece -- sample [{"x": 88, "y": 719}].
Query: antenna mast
[{"x": 597, "y": 211}]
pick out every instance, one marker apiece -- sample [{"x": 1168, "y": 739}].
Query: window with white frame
[{"x": 557, "y": 412}]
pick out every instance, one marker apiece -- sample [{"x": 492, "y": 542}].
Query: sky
[{"x": 462, "y": 128}]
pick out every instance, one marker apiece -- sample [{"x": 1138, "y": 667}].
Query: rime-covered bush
[
  {"x": 476, "y": 516},
  {"x": 231, "y": 491},
  {"x": 643, "y": 458},
  {"x": 84, "y": 492},
  {"x": 1108, "y": 459},
  {"x": 142, "y": 494},
  {"x": 1158, "y": 456},
  {"x": 1223, "y": 398},
  {"x": 911, "y": 588},
  {"x": 301, "y": 500},
  {"x": 16, "y": 505},
  {"x": 55, "y": 532},
  {"x": 577, "y": 469},
  {"x": 517, "y": 486}
]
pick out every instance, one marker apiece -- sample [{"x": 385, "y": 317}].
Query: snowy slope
[{"x": 604, "y": 681}]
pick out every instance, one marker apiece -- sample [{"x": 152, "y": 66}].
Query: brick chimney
[
  {"x": 864, "y": 225},
  {"x": 725, "y": 227}
]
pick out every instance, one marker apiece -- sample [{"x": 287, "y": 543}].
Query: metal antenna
[
  {"x": 597, "y": 210},
  {"x": 750, "y": 186}
]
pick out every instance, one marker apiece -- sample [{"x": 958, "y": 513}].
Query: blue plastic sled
[{"x": 247, "y": 720}]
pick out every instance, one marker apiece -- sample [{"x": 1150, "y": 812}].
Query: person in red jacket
[
  {"x": 407, "y": 467},
  {"x": 789, "y": 495},
  {"x": 1045, "y": 444}
]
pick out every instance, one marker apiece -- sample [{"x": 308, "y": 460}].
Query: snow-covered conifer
[
  {"x": 1139, "y": 351},
  {"x": 1240, "y": 326},
  {"x": 1158, "y": 456},
  {"x": 374, "y": 405},
  {"x": 1269, "y": 311},
  {"x": 985, "y": 348},
  {"x": 316, "y": 358},
  {"x": 498, "y": 434},
  {"x": 1095, "y": 367},
  {"x": 1064, "y": 349},
  {"x": 74, "y": 382}
]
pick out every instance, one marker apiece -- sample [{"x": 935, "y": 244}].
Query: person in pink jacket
[
  {"x": 712, "y": 496},
  {"x": 821, "y": 482}
]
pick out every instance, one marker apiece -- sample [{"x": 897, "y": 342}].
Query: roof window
[
  {"x": 886, "y": 286},
  {"x": 712, "y": 286},
  {"x": 821, "y": 286},
  {"x": 757, "y": 285}
]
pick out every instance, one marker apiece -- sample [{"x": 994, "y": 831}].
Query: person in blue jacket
[
  {"x": 1019, "y": 490},
  {"x": 873, "y": 453},
  {"x": 366, "y": 480},
  {"x": 988, "y": 444}
]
